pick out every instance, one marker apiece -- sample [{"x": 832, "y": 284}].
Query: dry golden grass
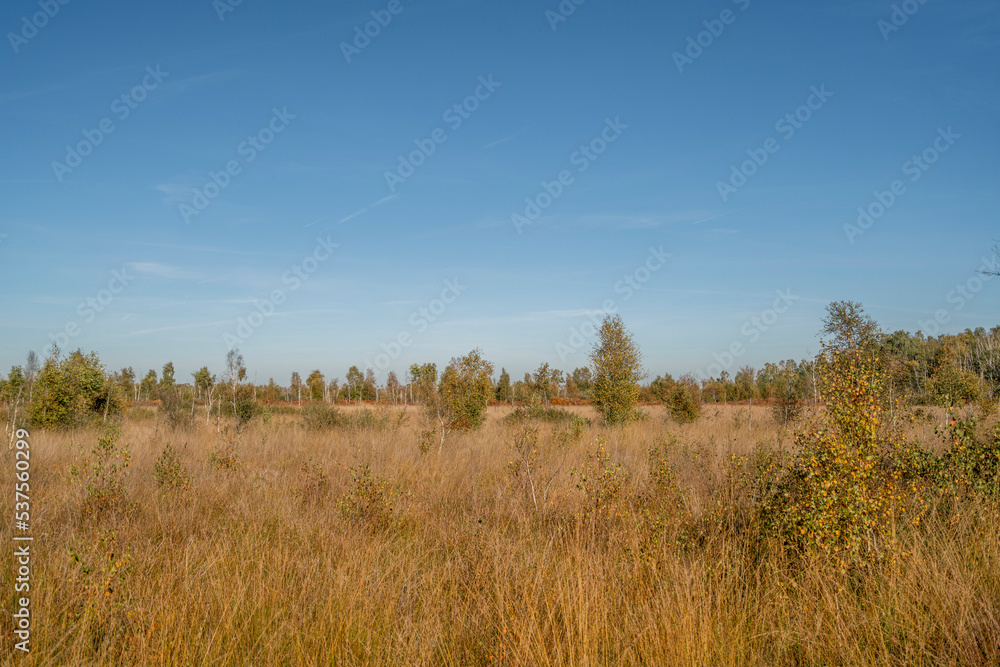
[{"x": 259, "y": 564}]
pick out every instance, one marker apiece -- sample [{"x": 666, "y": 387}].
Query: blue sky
[{"x": 143, "y": 104}]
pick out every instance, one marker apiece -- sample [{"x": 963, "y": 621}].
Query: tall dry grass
[{"x": 448, "y": 558}]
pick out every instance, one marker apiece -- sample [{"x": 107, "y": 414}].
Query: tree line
[{"x": 69, "y": 389}]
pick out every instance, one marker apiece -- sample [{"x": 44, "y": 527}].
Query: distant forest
[{"x": 67, "y": 389}]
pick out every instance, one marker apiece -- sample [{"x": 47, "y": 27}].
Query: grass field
[{"x": 351, "y": 545}]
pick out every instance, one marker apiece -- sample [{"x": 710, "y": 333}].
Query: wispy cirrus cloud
[
  {"x": 366, "y": 208},
  {"x": 143, "y": 332},
  {"x": 182, "y": 85},
  {"x": 195, "y": 248},
  {"x": 525, "y": 318},
  {"x": 505, "y": 139},
  {"x": 158, "y": 270},
  {"x": 175, "y": 192}
]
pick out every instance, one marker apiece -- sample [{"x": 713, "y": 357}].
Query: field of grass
[{"x": 524, "y": 543}]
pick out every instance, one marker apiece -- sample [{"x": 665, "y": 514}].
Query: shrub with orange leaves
[
  {"x": 844, "y": 490},
  {"x": 970, "y": 467}
]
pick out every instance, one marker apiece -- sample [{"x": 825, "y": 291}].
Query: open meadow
[{"x": 549, "y": 540}]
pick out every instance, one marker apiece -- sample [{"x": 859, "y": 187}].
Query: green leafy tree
[
  {"x": 545, "y": 382},
  {"x": 167, "y": 378},
  {"x": 844, "y": 493},
  {"x": 148, "y": 385},
  {"x": 617, "y": 370},
  {"x": 786, "y": 407},
  {"x": 355, "y": 383},
  {"x": 466, "y": 387},
  {"x": 126, "y": 382},
  {"x": 746, "y": 383},
  {"x": 572, "y": 391},
  {"x": 272, "y": 392},
  {"x": 846, "y": 326},
  {"x": 661, "y": 386},
  {"x": 684, "y": 400},
  {"x": 317, "y": 383},
  {"x": 242, "y": 398},
  {"x": 203, "y": 379},
  {"x": 72, "y": 390},
  {"x": 13, "y": 392},
  {"x": 583, "y": 379},
  {"x": 369, "y": 389},
  {"x": 206, "y": 386},
  {"x": 423, "y": 379},
  {"x": 504, "y": 391},
  {"x": 176, "y": 407},
  {"x": 14, "y": 386},
  {"x": 392, "y": 386},
  {"x": 423, "y": 384}
]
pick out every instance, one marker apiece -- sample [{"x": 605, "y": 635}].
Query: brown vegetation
[{"x": 523, "y": 543}]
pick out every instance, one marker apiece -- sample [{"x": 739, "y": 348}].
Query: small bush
[
  {"x": 536, "y": 410},
  {"x": 426, "y": 441},
  {"x": 321, "y": 417},
  {"x": 316, "y": 486},
  {"x": 661, "y": 505},
  {"x": 786, "y": 409},
  {"x": 465, "y": 391},
  {"x": 970, "y": 466},
  {"x": 522, "y": 472},
  {"x": 384, "y": 418},
  {"x": 140, "y": 414},
  {"x": 602, "y": 484},
  {"x": 683, "y": 401},
  {"x": 278, "y": 409},
  {"x": 224, "y": 455},
  {"x": 370, "y": 498},
  {"x": 103, "y": 474},
  {"x": 175, "y": 410},
  {"x": 169, "y": 472},
  {"x": 246, "y": 408},
  {"x": 102, "y": 599},
  {"x": 843, "y": 492},
  {"x": 73, "y": 391},
  {"x": 574, "y": 431}
]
